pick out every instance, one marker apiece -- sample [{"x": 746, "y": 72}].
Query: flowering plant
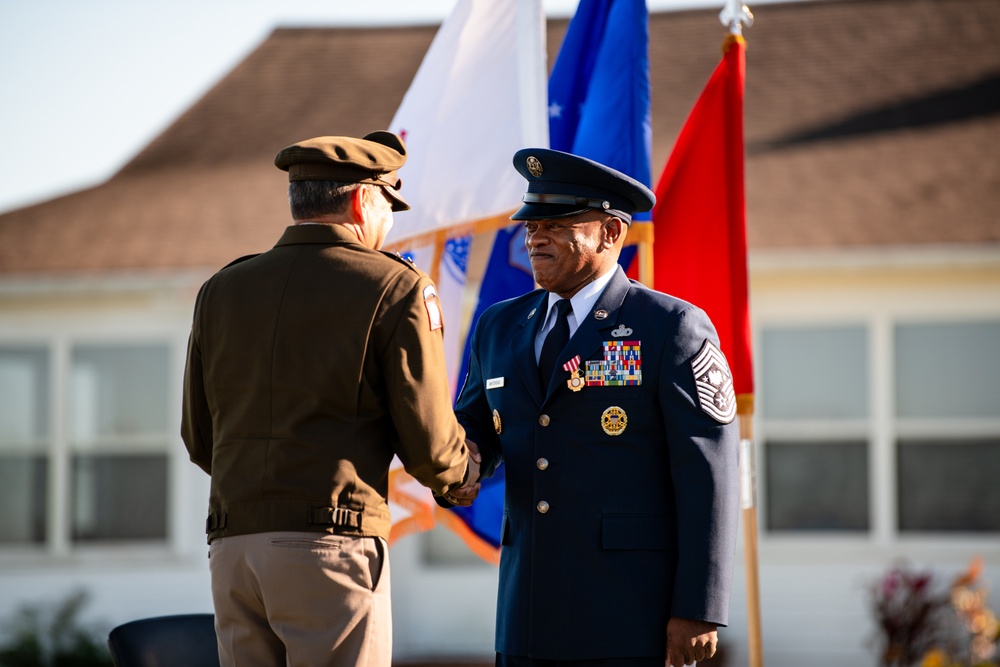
[
  {"x": 909, "y": 615},
  {"x": 934, "y": 628},
  {"x": 978, "y": 623}
]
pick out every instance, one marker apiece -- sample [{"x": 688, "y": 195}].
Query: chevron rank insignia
[{"x": 714, "y": 382}]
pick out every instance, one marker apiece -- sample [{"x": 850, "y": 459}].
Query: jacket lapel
[{"x": 522, "y": 346}]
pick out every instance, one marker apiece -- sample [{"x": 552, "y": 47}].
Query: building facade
[{"x": 875, "y": 301}]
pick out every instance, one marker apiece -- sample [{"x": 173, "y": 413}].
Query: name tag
[{"x": 494, "y": 383}]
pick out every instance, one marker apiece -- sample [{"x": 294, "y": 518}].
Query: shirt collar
[{"x": 584, "y": 300}]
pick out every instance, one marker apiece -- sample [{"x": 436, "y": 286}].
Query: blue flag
[
  {"x": 598, "y": 108},
  {"x": 599, "y": 87}
]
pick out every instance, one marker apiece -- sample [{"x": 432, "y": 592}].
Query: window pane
[
  {"x": 815, "y": 373},
  {"x": 949, "y": 486},
  {"x": 24, "y": 433},
  {"x": 22, "y": 497},
  {"x": 948, "y": 370},
  {"x": 119, "y": 497},
  {"x": 24, "y": 397},
  {"x": 817, "y": 486},
  {"x": 119, "y": 391}
]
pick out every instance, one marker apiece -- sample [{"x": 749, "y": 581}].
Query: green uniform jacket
[{"x": 309, "y": 366}]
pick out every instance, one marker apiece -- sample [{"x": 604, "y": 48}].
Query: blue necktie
[{"x": 555, "y": 341}]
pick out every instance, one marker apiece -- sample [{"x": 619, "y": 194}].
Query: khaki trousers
[{"x": 302, "y": 600}]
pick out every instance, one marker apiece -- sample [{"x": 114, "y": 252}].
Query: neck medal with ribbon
[{"x": 575, "y": 382}]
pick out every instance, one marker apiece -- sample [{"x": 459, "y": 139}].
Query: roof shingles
[{"x": 849, "y": 143}]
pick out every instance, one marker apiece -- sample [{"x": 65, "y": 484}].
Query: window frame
[
  {"x": 187, "y": 486},
  {"x": 810, "y": 298}
]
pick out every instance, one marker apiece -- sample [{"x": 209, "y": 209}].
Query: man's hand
[
  {"x": 464, "y": 496},
  {"x": 690, "y": 641}
]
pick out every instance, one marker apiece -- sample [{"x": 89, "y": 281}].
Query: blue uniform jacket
[{"x": 637, "y": 527}]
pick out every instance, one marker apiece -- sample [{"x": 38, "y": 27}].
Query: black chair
[{"x": 186, "y": 640}]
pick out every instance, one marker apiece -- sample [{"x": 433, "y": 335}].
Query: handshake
[{"x": 464, "y": 495}]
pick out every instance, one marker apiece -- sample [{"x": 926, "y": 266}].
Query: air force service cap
[
  {"x": 562, "y": 184},
  {"x": 372, "y": 159}
]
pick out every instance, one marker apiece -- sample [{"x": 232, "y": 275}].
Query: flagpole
[
  {"x": 734, "y": 15},
  {"x": 748, "y": 507}
]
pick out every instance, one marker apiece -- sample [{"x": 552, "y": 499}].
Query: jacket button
[
  {"x": 542, "y": 507},
  {"x": 544, "y": 420},
  {"x": 542, "y": 463}
]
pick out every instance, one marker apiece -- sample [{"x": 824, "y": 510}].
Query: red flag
[{"x": 699, "y": 222}]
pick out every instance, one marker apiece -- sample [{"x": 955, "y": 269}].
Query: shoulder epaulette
[
  {"x": 240, "y": 259},
  {"x": 399, "y": 258}
]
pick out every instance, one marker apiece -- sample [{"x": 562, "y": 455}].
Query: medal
[
  {"x": 614, "y": 420},
  {"x": 575, "y": 382}
]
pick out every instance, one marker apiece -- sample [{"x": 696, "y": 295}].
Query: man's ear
[
  {"x": 358, "y": 203},
  {"x": 615, "y": 230}
]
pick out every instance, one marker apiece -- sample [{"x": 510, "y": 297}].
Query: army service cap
[
  {"x": 373, "y": 159},
  {"x": 562, "y": 184}
]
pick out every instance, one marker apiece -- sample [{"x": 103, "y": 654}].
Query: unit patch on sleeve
[
  {"x": 433, "y": 308},
  {"x": 714, "y": 383}
]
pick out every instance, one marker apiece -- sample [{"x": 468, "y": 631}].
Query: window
[
  {"x": 24, "y": 441},
  {"x": 940, "y": 417},
  {"x": 815, "y": 401},
  {"x": 817, "y": 486},
  {"x": 949, "y": 486},
  {"x": 948, "y": 370},
  {"x": 815, "y": 373},
  {"x": 83, "y": 443},
  {"x": 947, "y": 403},
  {"x": 118, "y": 433}
]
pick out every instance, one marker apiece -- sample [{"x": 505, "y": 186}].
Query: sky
[{"x": 85, "y": 85}]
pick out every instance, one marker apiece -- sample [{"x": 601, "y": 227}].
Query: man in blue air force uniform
[{"x": 621, "y": 495}]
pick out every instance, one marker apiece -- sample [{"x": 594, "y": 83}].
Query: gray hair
[{"x": 313, "y": 199}]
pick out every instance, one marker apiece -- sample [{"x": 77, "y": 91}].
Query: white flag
[{"x": 479, "y": 96}]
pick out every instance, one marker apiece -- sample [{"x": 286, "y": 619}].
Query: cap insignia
[{"x": 534, "y": 166}]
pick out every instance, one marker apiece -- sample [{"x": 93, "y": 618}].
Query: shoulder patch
[
  {"x": 433, "y": 307},
  {"x": 714, "y": 383}
]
